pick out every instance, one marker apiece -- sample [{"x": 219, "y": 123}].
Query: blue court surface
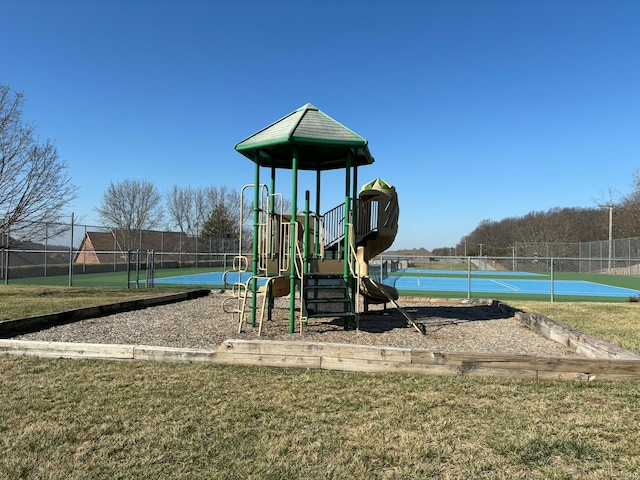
[
  {"x": 484, "y": 273},
  {"x": 502, "y": 283},
  {"x": 509, "y": 285},
  {"x": 212, "y": 278}
]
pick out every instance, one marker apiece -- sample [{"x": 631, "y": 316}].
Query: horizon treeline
[{"x": 556, "y": 225}]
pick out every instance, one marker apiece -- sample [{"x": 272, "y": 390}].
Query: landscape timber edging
[
  {"x": 576, "y": 341},
  {"x": 348, "y": 358},
  {"x": 38, "y": 322},
  {"x": 617, "y": 365}
]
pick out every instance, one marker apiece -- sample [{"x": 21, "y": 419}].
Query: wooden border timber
[
  {"x": 39, "y": 322},
  {"x": 351, "y": 358},
  {"x": 576, "y": 341},
  {"x": 607, "y": 362},
  {"x": 397, "y": 360}
]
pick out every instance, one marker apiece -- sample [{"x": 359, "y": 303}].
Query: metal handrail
[{"x": 333, "y": 221}]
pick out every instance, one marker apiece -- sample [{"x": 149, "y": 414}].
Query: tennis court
[
  {"x": 454, "y": 281},
  {"x": 499, "y": 286}
]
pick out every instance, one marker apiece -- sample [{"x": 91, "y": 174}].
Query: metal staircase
[{"x": 326, "y": 295}]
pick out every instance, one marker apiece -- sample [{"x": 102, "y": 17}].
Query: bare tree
[
  {"x": 34, "y": 186},
  {"x": 130, "y": 207},
  {"x": 626, "y": 221},
  {"x": 560, "y": 229},
  {"x": 181, "y": 209},
  {"x": 217, "y": 212},
  {"x": 209, "y": 211}
]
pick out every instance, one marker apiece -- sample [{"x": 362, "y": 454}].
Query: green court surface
[{"x": 117, "y": 279}]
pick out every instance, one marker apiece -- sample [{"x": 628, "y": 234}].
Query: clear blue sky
[{"x": 477, "y": 109}]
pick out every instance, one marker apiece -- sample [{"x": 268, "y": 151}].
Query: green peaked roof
[
  {"x": 321, "y": 143},
  {"x": 377, "y": 184}
]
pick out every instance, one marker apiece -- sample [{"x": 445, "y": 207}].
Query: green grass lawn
[{"x": 80, "y": 419}]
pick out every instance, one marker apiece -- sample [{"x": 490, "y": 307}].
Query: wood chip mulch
[{"x": 202, "y": 324}]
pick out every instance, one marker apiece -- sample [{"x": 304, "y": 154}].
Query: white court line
[{"x": 506, "y": 285}]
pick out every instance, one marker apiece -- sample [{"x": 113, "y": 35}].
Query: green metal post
[
  {"x": 347, "y": 208},
  {"x": 273, "y": 190},
  {"x": 317, "y": 224},
  {"x": 272, "y": 208},
  {"x": 355, "y": 205},
  {"x": 354, "y": 240},
  {"x": 272, "y": 237},
  {"x": 306, "y": 232},
  {"x": 293, "y": 239},
  {"x": 256, "y": 220},
  {"x": 347, "y": 239}
]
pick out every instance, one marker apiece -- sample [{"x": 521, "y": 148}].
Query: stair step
[
  {"x": 327, "y": 301},
  {"x": 324, "y": 281},
  {"x": 312, "y": 276},
  {"x": 325, "y": 287},
  {"x": 329, "y": 314},
  {"x": 326, "y": 295}
]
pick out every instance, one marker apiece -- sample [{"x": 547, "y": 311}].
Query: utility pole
[{"x": 610, "y": 207}]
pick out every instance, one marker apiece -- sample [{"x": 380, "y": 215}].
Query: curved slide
[{"x": 377, "y": 198}]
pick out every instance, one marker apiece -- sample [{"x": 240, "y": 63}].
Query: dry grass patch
[
  {"x": 617, "y": 323},
  {"x": 98, "y": 419},
  {"x": 26, "y": 301}
]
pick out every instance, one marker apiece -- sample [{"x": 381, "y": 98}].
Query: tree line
[
  {"x": 555, "y": 226},
  {"x": 136, "y": 205}
]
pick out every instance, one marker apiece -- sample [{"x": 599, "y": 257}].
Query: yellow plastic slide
[{"x": 379, "y": 212}]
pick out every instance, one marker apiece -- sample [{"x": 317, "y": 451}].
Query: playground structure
[{"x": 322, "y": 259}]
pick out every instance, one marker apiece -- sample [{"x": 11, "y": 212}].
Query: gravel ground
[{"x": 202, "y": 323}]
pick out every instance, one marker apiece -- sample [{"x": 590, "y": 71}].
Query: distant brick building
[{"x": 111, "y": 246}]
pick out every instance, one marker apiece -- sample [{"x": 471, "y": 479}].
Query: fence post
[
  {"x": 552, "y": 282},
  {"x": 84, "y": 257},
  {"x": 6, "y": 256},
  {"x": 128, "y": 268},
  {"x": 138, "y": 268},
  {"x": 2, "y": 250},
  {"x": 150, "y": 269},
  {"x": 468, "y": 277},
  {"x": 46, "y": 246},
  {"x": 71, "y": 254}
]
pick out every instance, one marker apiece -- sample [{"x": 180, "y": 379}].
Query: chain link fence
[
  {"x": 534, "y": 277},
  {"x": 68, "y": 250},
  {"x": 618, "y": 250},
  {"x": 69, "y": 254}
]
